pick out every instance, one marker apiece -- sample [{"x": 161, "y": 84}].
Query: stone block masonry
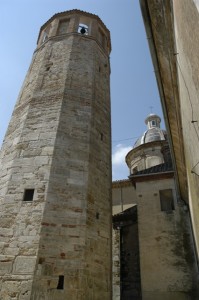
[{"x": 55, "y": 185}]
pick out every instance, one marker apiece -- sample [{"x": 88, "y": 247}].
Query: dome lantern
[
  {"x": 153, "y": 121},
  {"x": 153, "y": 132}
]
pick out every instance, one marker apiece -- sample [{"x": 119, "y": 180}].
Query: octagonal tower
[{"x": 55, "y": 183}]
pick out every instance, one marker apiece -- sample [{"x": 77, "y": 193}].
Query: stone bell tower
[{"x": 55, "y": 181}]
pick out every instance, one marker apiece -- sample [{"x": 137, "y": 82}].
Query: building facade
[
  {"x": 172, "y": 31},
  {"x": 55, "y": 181},
  {"x": 153, "y": 249}
]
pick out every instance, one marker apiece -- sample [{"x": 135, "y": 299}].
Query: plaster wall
[
  {"x": 123, "y": 197},
  {"x": 186, "y": 24},
  {"x": 166, "y": 249},
  {"x": 167, "y": 260}
]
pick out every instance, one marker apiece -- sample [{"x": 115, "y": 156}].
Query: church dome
[
  {"x": 151, "y": 149},
  {"x": 153, "y": 133}
]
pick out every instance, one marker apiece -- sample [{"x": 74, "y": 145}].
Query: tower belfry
[{"x": 55, "y": 181}]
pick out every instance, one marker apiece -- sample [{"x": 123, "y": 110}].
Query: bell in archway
[{"x": 83, "y": 30}]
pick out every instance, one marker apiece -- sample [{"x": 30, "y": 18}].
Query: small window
[
  {"x": 166, "y": 200},
  {"x": 28, "y": 195},
  {"x": 97, "y": 215},
  {"x": 153, "y": 123},
  {"x": 60, "y": 285}
]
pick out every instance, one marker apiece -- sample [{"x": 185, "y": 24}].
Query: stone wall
[
  {"x": 116, "y": 263},
  {"x": 58, "y": 144}
]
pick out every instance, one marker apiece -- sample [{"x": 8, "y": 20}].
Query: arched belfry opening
[{"x": 83, "y": 29}]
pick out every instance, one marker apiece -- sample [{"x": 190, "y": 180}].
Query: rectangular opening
[
  {"x": 83, "y": 29},
  {"x": 45, "y": 33},
  {"x": 166, "y": 200},
  {"x": 129, "y": 254},
  {"x": 63, "y": 26},
  {"x": 45, "y": 37},
  {"x": 28, "y": 195},
  {"x": 60, "y": 285}
]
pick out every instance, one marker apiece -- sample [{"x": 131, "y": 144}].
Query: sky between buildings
[{"x": 133, "y": 84}]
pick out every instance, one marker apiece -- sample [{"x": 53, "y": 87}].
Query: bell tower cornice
[{"x": 75, "y": 21}]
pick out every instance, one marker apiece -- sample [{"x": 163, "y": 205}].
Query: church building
[
  {"x": 153, "y": 250},
  {"x": 57, "y": 218}
]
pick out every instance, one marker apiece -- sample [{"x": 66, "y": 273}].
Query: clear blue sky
[{"x": 133, "y": 84}]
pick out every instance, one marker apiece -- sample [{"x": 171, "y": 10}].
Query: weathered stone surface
[
  {"x": 24, "y": 265},
  {"x": 58, "y": 143},
  {"x": 166, "y": 251},
  {"x": 116, "y": 264}
]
